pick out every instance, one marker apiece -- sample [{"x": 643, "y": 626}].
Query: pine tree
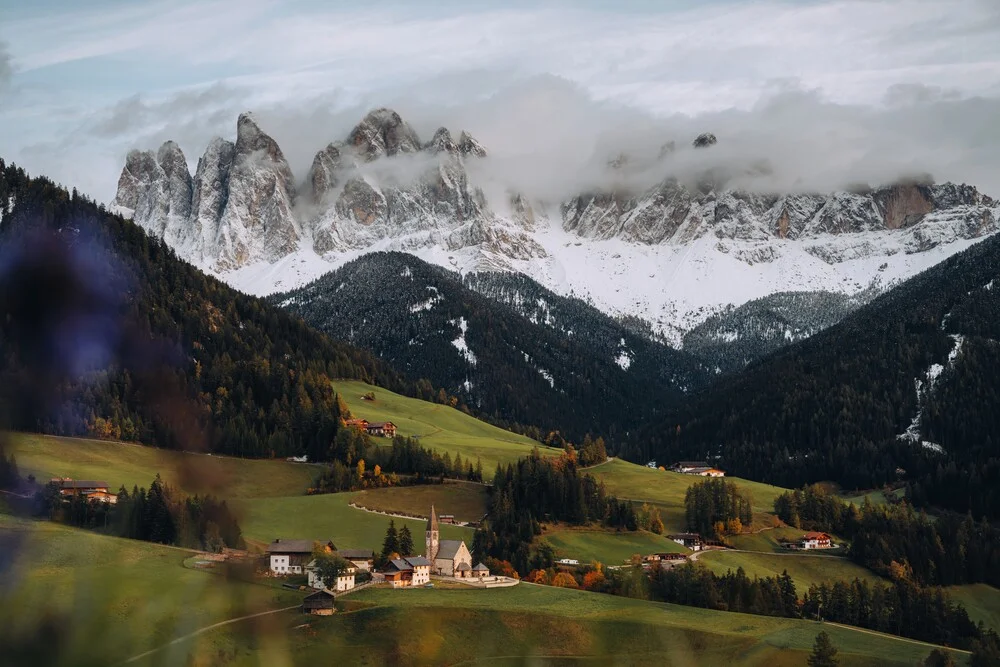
[
  {"x": 391, "y": 543},
  {"x": 824, "y": 653},
  {"x": 405, "y": 541}
]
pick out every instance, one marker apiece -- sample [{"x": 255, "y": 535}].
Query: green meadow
[
  {"x": 606, "y": 547},
  {"x": 466, "y": 501},
  {"x": 805, "y": 570},
  {"x": 439, "y": 427}
]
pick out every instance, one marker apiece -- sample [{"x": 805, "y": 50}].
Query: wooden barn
[{"x": 319, "y": 603}]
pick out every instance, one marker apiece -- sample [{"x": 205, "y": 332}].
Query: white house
[
  {"x": 690, "y": 540},
  {"x": 568, "y": 561},
  {"x": 345, "y": 581},
  {"x": 816, "y": 541},
  {"x": 289, "y": 556},
  {"x": 363, "y": 559}
]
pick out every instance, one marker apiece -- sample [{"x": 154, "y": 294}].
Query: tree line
[
  {"x": 716, "y": 506},
  {"x": 158, "y": 514},
  {"x": 537, "y": 489},
  {"x": 895, "y": 540}
]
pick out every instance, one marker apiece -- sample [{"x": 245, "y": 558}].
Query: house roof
[
  {"x": 448, "y": 549},
  {"x": 379, "y": 424},
  {"x": 356, "y": 554},
  {"x": 80, "y": 484},
  {"x": 280, "y": 546},
  {"x": 416, "y": 561},
  {"x": 691, "y": 464},
  {"x": 685, "y": 536},
  {"x": 480, "y": 568},
  {"x": 815, "y": 536},
  {"x": 463, "y": 567},
  {"x": 400, "y": 564}
]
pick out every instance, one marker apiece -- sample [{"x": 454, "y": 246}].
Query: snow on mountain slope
[{"x": 672, "y": 254}]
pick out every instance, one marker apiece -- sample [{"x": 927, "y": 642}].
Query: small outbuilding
[{"x": 319, "y": 603}]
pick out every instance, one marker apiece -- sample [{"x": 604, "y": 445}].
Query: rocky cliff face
[{"x": 381, "y": 187}]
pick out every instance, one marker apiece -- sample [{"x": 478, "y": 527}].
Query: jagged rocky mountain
[
  {"x": 501, "y": 342},
  {"x": 672, "y": 254}
]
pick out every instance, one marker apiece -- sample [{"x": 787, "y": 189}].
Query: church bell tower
[{"x": 432, "y": 538}]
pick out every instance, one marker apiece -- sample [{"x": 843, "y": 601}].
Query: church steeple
[{"x": 432, "y": 539}]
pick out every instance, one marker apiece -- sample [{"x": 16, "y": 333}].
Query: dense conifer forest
[
  {"x": 105, "y": 333},
  {"x": 513, "y": 351},
  {"x": 904, "y": 389}
]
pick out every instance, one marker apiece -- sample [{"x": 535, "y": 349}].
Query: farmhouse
[
  {"x": 345, "y": 581},
  {"x": 690, "y": 540},
  {"x": 447, "y": 518},
  {"x": 815, "y": 541},
  {"x": 448, "y": 558},
  {"x": 319, "y": 603},
  {"x": 292, "y": 556},
  {"x": 363, "y": 559},
  {"x": 382, "y": 429},
  {"x": 357, "y": 423},
  {"x": 408, "y": 571},
  {"x": 700, "y": 468},
  {"x": 91, "y": 490}
]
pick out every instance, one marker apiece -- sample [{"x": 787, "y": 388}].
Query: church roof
[
  {"x": 480, "y": 568},
  {"x": 432, "y": 522},
  {"x": 463, "y": 567},
  {"x": 448, "y": 549}
]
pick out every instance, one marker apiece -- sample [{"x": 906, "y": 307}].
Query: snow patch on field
[{"x": 429, "y": 303}]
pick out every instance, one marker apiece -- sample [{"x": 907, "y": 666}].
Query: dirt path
[{"x": 205, "y": 629}]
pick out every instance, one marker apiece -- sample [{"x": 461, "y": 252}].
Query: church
[{"x": 450, "y": 558}]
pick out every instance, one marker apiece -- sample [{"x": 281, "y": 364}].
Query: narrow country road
[{"x": 205, "y": 629}]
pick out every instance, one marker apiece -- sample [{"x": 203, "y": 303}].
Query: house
[
  {"x": 292, "y": 556},
  {"x": 345, "y": 581},
  {"x": 814, "y": 540},
  {"x": 408, "y": 571},
  {"x": 448, "y": 558},
  {"x": 363, "y": 559},
  {"x": 357, "y": 423},
  {"x": 699, "y": 468},
  {"x": 690, "y": 540},
  {"x": 447, "y": 518},
  {"x": 480, "y": 571},
  {"x": 319, "y": 603},
  {"x": 382, "y": 429},
  {"x": 568, "y": 561},
  {"x": 90, "y": 489},
  {"x": 651, "y": 464}
]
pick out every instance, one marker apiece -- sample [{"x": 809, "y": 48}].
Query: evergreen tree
[
  {"x": 391, "y": 543},
  {"x": 405, "y": 541},
  {"x": 824, "y": 653},
  {"x": 939, "y": 658}
]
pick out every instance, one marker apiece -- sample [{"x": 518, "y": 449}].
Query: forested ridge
[
  {"x": 104, "y": 332},
  {"x": 834, "y": 407},
  {"x": 513, "y": 351}
]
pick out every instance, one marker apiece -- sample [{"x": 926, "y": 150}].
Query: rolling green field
[
  {"x": 127, "y": 464},
  {"x": 606, "y": 547},
  {"x": 982, "y": 601},
  {"x": 113, "y": 597},
  {"x": 805, "y": 570},
  {"x": 122, "y": 598},
  {"x": 329, "y": 517},
  {"x": 666, "y": 489},
  {"x": 439, "y": 427},
  {"x": 541, "y": 625},
  {"x": 465, "y": 500}
]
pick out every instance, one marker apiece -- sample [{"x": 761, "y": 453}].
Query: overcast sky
[{"x": 829, "y": 91}]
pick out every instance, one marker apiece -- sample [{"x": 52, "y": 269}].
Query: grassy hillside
[
  {"x": 127, "y": 464},
  {"x": 465, "y": 500},
  {"x": 550, "y": 626},
  {"x": 121, "y": 597},
  {"x": 605, "y": 546},
  {"x": 981, "y": 601},
  {"x": 329, "y": 516},
  {"x": 439, "y": 427},
  {"x": 128, "y": 597},
  {"x": 805, "y": 570},
  {"x": 667, "y": 489}
]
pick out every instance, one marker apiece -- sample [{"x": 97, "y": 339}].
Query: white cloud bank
[{"x": 830, "y": 93}]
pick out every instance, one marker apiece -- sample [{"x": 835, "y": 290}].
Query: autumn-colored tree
[
  {"x": 501, "y": 568},
  {"x": 719, "y": 528},
  {"x": 564, "y": 580},
  {"x": 538, "y": 577},
  {"x": 900, "y": 571},
  {"x": 593, "y": 580},
  {"x": 734, "y": 527},
  {"x": 361, "y": 468}
]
